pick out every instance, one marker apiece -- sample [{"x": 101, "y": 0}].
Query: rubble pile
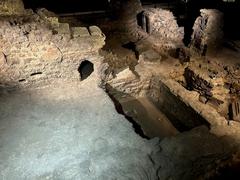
[{"x": 217, "y": 85}]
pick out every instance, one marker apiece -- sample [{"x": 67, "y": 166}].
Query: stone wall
[
  {"x": 36, "y": 48},
  {"x": 182, "y": 116},
  {"x": 154, "y": 27},
  {"x": 207, "y": 32},
  {"x": 10, "y": 7},
  {"x": 158, "y": 29},
  {"x": 163, "y": 24}
]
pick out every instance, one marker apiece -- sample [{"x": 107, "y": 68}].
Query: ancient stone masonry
[
  {"x": 156, "y": 28},
  {"x": 159, "y": 29},
  {"x": 207, "y": 32},
  {"x": 162, "y": 23},
  {"x": 36, "y": 47},
  {"x": 10, "y": 7},
  {"x": 216, "y": 83}
]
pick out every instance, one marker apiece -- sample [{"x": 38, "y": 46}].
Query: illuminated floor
[{"x": 70, "y": 131}]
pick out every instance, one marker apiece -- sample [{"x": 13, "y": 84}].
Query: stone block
[
  {"x": 49, "y": 16},
  {"x": 95, "y": 31},
  {"x": 53, "y": 20},
  {"x": 80, "y": 32},
  {"x": 63, "y": 28},
  {"x": 52, "y": 54}
]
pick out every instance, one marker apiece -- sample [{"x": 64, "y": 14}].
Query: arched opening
[
  {"x": 140, "y": 19},
  {"x": 85, "y": 69},
  {"x": 144, "y": 22},
  {"x": 148, "y": 27}
]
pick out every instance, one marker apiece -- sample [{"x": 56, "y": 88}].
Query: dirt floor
[
  {"x": 60, "y": 132},
  {"x": 152, "y": 121}
]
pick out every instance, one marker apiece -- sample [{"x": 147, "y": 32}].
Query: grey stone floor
[{"x": 69, "y": 131}]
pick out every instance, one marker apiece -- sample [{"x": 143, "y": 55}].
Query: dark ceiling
[
  {"x": 65, "y": 6},
  {"x": 191, "y": 9}
]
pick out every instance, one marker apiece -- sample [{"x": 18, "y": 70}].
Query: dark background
[
  {"x": 66, "y": 6},
  {"x": 190, "y": 10}
]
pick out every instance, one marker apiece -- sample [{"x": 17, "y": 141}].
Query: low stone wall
[
  {"x": 36, "y": 48},
  {"x": 182, "y": 116}
]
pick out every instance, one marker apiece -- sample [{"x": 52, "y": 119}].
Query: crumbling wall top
[{"x": 11, "y": 7}]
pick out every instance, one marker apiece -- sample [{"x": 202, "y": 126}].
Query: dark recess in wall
[{"x": 85, "y": 69}]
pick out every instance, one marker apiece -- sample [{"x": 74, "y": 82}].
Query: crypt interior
[{"x": 119, "y": 89}]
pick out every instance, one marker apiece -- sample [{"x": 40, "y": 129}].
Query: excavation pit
[{"x": 159, "y": 112}]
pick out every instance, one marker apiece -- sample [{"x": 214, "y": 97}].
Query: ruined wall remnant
[
  {"x": 158, "y": 28},
  {"x": 36, "y": 48},
  {"x": 155, "y": 27},
  {"x": 10, "y": 7},
  {"x": 207, "y": 32},
  {"x": 162, "y": 23}
]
